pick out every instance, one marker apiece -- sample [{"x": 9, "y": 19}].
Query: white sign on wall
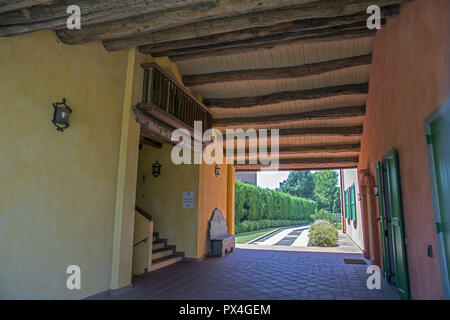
[{"x": 188, "y": 200}]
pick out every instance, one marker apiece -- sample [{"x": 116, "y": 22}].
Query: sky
[{"x": 272, "y": 179}]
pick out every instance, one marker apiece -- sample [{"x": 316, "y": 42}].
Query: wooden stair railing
[{"x": 143, "y": 213}]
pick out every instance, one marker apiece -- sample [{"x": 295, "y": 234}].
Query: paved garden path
[
  {"x": 260, "y": 275},
  {"x": 296, "y": 239}
]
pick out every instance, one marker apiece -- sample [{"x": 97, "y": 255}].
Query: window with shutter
[
  {"x": 353, "y": 203},
  {"x": 347, "y": 206}
]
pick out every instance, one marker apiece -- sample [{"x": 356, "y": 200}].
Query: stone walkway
[
  {"x": 260, "y": 275},
  {"x": 296, "y": 239}
]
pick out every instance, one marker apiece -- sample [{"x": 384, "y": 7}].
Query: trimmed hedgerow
[
  {"x": 323, "y": 234},
  {"x": 256, "y": 204}
]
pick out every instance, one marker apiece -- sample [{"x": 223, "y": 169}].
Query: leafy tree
[
  {"x": 337, "y": 201},
  {"x": 326, "y": 188},
  {"x": 299, "y": 184}
]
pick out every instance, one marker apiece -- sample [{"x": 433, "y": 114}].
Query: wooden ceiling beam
[
  {"x": 11, "y": 5},
  {"x": 280, "y": 119},
  {"x": 358, "y": 33},
  {"x": 280, "y": 28},
  {"x": 308, "y": 149},
  {"x": 261, "y": 42},
  {"x": 304, "y": 164},
  {"x": 53, "y": 15},
  {"x": 277, "y": 73},
  {"x": 321, "y": 131},
  {"x": 343, "y": 131},
  {"x": 148, "y": 23},
  {"x": 318, "y": 9},
  {"x": 279, "y": 97}
]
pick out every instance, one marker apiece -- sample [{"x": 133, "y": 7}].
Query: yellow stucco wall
[
  {"x": 122, "y": 255},
  {"x": 143, "y": 228},
  {"x": 162, "y": 197},
  {"x": 68, "y": 198},
  {"x": 212, "y": 194},
  {"x": 58, "y": 190}
]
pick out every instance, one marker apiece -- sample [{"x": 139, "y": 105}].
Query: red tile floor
[{"x": 260, "y": 275}]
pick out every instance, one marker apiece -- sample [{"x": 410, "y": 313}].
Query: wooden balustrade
[{"x": 160, "y": 90}]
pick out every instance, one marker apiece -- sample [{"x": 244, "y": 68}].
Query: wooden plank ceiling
[{"x": 301, "y": 66}]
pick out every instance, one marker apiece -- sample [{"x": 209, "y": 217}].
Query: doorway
[
  {"x": 437, "y": 127},
  {"x": 391, "y": 219}
]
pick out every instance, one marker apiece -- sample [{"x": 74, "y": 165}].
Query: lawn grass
[{"x": 249, "y": 236}]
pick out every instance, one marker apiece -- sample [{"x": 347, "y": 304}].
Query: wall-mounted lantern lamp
[
  {"x": 156, "y": 169},
  {"x": 375, "y": 191},
  {"x": 61, "y": 115},
  {"x": 217, "y": 170}
]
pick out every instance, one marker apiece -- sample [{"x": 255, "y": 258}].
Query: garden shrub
[{"x": 323, "y": 234}]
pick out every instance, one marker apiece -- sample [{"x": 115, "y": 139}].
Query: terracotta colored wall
[{"x": 409, "y": 79}]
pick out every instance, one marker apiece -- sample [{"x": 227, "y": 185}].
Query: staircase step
[
  {"x": 164, "y": 262},
  {"x": 164, "y": 252},
  {"x": 159, "y": 244}
]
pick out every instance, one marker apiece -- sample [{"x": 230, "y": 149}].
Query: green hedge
[
  {"x": 255, "y": 204},
  {"x": 246, "y": 226}
]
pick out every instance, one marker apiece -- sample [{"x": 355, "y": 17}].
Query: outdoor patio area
[{"x": 261, "y": 274}]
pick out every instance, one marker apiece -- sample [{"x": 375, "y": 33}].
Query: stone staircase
[{"x": 163, "y": 254}]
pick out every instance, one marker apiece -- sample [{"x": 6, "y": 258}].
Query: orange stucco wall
[{"x": 409, "y": 79}]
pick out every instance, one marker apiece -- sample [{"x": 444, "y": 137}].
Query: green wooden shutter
[
  {"x": 347, "y": 216},
  {"x": 382, "y": 220},
  {"x": 398, "y": 235},
  {"x": 353, "y": 195}
]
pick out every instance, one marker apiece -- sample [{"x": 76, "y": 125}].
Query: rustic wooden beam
[
  {"x": 146, "y": 23},
  {"x": 154, "y": 127},
  {"x": 321, "y": 131},
  {"x": 279, "y": 97},
  {"x": 277, "y": 73},
  {"x": 280, "y": 119},
  {"x": 53, "y": 15},
  {"x": 298, "y": 150},
  {"x": 343, "y": 131},
  {"x": 165, "y": 117},
  {"x": 318, "y": 9},
  {"x": 286, "y": 27},
  {"x": 321, "y": 148},
  {"x": 11, "y": 5},
  {"x": 160, "y": 130},
  {"x": 304, "y": 164},
  {"x": 342, "y": 35},
  {"x": 267, "y": 42}
]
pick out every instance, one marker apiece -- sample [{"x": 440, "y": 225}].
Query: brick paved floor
[{"x": 260, "y": 275}]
